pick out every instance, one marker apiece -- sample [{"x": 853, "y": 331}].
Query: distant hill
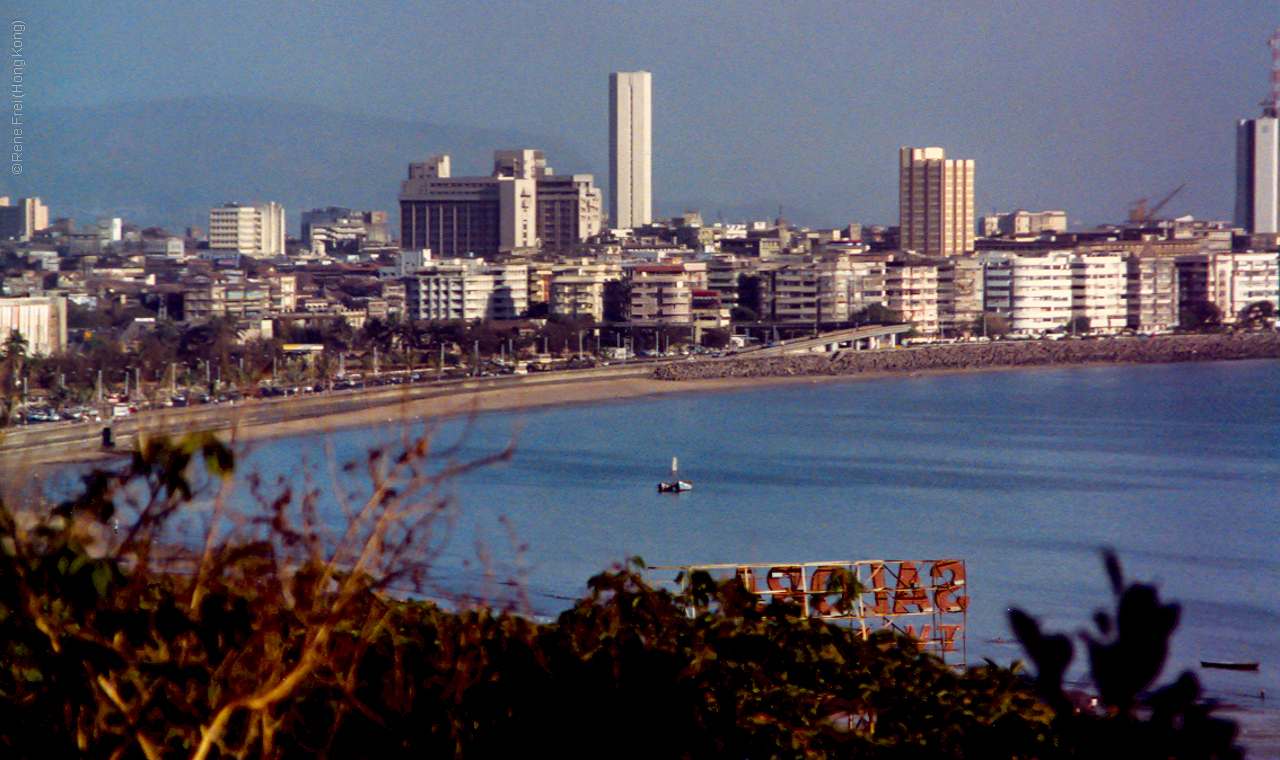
[{"x": 167, "y": 162}]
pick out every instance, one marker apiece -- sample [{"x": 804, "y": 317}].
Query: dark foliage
[
  {"x": 1126, "y": 655},
  {"x": 279, "y": 642}
]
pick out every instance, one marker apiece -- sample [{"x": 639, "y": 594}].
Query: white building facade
[
  {"x": 1099, "y": 286},
  {"x": 42, "y": 321},
  {"x": 254, "y": 230},
  {"x": 1230, "y": 281},
  {"x": 630, "y": 149},
  {"x": 1034, "y": 293},
  {"x": 1257, "y": 207},
  {"x": 468, "y": 290},
  {"x": 581, "y": 290},
  {"x": 663, "y": 293}
]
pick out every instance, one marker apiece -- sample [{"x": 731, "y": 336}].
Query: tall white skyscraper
[
  {"x": 630, "y": 149},
  {"x": 1258, "y": 160},
  {"x": 1258, "y": 174},
  {"x": 935, "y": 202}
]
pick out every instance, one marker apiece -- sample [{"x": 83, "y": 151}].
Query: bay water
[{"x": 1026, "y": 475}]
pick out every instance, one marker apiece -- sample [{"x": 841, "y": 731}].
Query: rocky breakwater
[{"x": 981, "y": 356}]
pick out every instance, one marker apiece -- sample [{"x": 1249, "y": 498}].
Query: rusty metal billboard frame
[{"x": 925, "y": 600}]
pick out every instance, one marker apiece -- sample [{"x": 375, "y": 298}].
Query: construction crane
[
  {"x": 1271, "y": 106},
  {"x": 1138, "y": 213}
]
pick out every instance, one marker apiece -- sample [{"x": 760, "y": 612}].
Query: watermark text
[{"x": 17, "y": 87}]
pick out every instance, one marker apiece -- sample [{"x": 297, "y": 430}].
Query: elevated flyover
[{"x": 857, "y": 338}]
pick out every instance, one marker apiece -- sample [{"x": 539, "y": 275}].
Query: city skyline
[{"x": 1150, "y": 102}]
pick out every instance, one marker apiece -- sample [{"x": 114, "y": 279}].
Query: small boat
[
  {"x": 1229, "y": 665},
  {"x": 675, "y": 485}
]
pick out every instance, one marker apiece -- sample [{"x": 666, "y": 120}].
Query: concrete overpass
[{"x": 857, "y": 339}]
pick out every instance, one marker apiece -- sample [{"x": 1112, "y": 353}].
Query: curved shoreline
[
  {"x": 745, "y": 373},
  {"x": 262, "y": 419}
]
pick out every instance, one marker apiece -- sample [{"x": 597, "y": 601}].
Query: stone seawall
[{"x": 977, "y": 356}]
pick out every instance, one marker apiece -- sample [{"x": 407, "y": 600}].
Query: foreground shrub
[{"x": 275, "y": 640}]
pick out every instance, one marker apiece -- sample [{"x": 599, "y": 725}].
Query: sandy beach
[
  {"x": 601, "y": 391},
  {"x": 723, "y": 375},
  {"x": 263, "y": 419},
  {"x": 259, "y": 419}
]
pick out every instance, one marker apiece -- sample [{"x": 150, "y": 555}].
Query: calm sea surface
[{"x": 1024, "y": 475}]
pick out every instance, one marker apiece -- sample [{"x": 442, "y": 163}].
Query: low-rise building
[
  {"x": 1020, "y": 223},
  {"x": 1033, "y": 292},
  {"x": 1099, "y": 289},
  {"x": 467, "y": 290},
  {"x": 335, "y": 226},
  {"x": 582, "y": 290},
  {"x": 255, "y": 230},
  {"x": 42, "y": 322},
  {"x": 1152, "y": 285},
  {"x": 911, "y": 289},
  {"x": 663, "y": 293},
  {"x": 1230, "y": 281},
  {"x": 204, "y": 298},
  {"x": 813, "y": 292}
]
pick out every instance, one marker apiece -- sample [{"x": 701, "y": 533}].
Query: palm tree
[{"x": 15, "y": 356}]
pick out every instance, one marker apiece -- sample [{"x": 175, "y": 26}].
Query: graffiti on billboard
[{"x": 926, "y": 600}]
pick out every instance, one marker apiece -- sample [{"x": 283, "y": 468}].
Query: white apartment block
[
  {"x": 1033, "y": 292},
  {"x": 1099, "y": 286},
  {"x": 254, "y": 230},
  {"x": 282, "y": 291},
  {"x": 42, "y": 321},
  {"x": 813, "y": 292},
  {"x": 468, "y": 290},
  {"x": 725, "y": 275},
  {"x": 960, "y": 293},
  {"x": 1152, "y": 293},
  {"x": 1240, "y": 279},
  {"x": 1230, "y": 281},
  {"x": 866, "y": 281},
  {"x": 335, "y": 225},
  {"x": 935, "y": 202},
  {"x": 911, "y": 289},
  {"x": 581, "y": 290},
  {"x": 630, "y": 149},
  {"x": 405, "y": 262},
  {"x": 110, "y": 230},
  {"x": 663, "y": 293},
  {"x": 1041, "y": 293},
  {"x": 241, "y": 299},
  {"x": 245, "y": 298},
  {"x": 170, "y": 247}
]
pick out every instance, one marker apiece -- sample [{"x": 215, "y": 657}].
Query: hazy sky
[{"x": 1081, "y": 106}]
